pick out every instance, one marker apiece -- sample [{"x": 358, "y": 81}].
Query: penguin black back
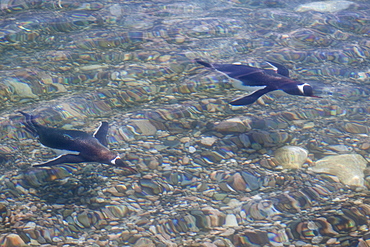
[
  {"x": 90, "y": 148},
  {"x": 271, "y": 80},
  {"x": 53, "y": 137}
]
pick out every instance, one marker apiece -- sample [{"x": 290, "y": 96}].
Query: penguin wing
[
  {"x": 101, "y": 133},
  {"x": 280, "y": 68},
  {"x": 251, "y": 98},
  {"x": 66, "y": 158}
]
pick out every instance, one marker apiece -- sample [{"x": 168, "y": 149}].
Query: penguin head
[
  {"x": 303, "y": 89},
  {"x": 117, "y": 162}
]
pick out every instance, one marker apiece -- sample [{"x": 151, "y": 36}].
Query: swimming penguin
[
  {"x": 271, "y": 80},
  {"x": 88, "y": 148}
]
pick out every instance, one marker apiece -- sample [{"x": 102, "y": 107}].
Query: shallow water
[{"x": 207, "y": 171}]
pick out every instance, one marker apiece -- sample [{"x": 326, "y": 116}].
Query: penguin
[
  {"x": 269, "y": 80},
  {"x": 86, "y": 147}
]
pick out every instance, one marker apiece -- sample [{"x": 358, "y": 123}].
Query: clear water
[{"x": 206, "y": 174}]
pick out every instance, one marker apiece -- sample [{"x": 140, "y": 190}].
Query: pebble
[
  {"x": 290, "y": 157},
  {"x": 93, "y": 67},
  {"x": 144, "y": 242},
  {"x": 22, "y": 90},
  {"x": 30, "y": 226},
  {"x": 349, "y": 168},
  {"x": 185, "y": 139},
  {"x": 308, "y": 125},
  {"x": 365, "y": 146},
  {"x": 228, "y": 232},
  {"x": 339, "y": 148},
  {"x": 192, "y": 149},
  {"x": 12, "y": 240},
  {"x": 208, "y": 141},
  {"x": 233, "y": 125},
  {"x": 230, "y": 221},
  {"x": 145, "y": 127},
  {"x": 327, "y": 6}
]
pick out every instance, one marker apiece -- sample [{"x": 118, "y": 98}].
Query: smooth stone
[
  {"x": 219, "y": 196},
  {"x": 228, "y": 232},
  {"x": 144, "y": 242},
  {"x": 233, "y": 125},
  {"x": 83, "y": 218},
  {"x": 192, "y": 149},
  {"x": 23, "y": 90},
  {"x": 356, "y": 128},
  {"x": 238, "y": 182},
  {"x": 290, "y": 157},
  {"x": 145, "y": 126},
  {"x": 308, "y": 125},
  {"x": 244, "y": 139},
  {"x": 339, "y": 148},
  {"x": 93, "y": 67},
  {"x": 365, "y": 146},
  {"x": 171, "y": 143},
  {"x": 12, "y": 240},
  {"x": 327, "y": 6},
  {"x": 30, "y": 226},
  {"x": 208, "y": 141},
  {"x": 230, "y": 221},
  {"x": 349, "y": 168},
  {"x": 212, "y": 156}
]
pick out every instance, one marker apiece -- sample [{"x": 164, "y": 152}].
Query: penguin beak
[{"x": 119, "y": 162}]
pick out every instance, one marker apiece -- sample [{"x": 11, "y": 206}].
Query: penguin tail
[
  {"x": 30, "y": 123},
  {"x": 205, "y": 64}
]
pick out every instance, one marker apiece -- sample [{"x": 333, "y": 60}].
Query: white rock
[
  {"x": 208, "y": 141},
  {"x": 349, "y": 168},
  {"x": 290, "y": 157},
  {"x": 230, "y": 221},
  {"x": 327, "y": 6},
  {"x": 144, "y": 126},
  {"x": 21, "y": 89},
  {"x": 30, "y": 226},
  {"x": 192, "y": 149},
  {"x": 238, "y": 125}
]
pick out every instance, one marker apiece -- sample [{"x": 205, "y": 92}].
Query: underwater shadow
[{"x": 66, "y": 185}]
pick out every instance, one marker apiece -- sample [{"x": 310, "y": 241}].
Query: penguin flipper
[
  {"x": 250, "y": 98},
  {"x": 66, "y": 158},
  {"x": 101, "y": 133},
  {"x": 281, "y": 70},
  {"x": 205, "y": 64}
]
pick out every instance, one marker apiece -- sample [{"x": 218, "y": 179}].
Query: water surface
[{"x": 206, "y": 177}]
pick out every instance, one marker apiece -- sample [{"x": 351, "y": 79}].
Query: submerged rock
[
  {"x": 290, "y": 157},
  {"x": 349, "y": 168},
  {"x": 327, "y": 6},
  {"x": 12, "y": 240},
  {"x": 233, "y": 125}
]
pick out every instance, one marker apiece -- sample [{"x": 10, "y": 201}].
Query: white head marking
[
  {"x": 113, "y": 161},
  {"x": 301, "y": 87}
]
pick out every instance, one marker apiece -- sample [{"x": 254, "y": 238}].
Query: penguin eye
[{"x": 307, "y": 90}]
